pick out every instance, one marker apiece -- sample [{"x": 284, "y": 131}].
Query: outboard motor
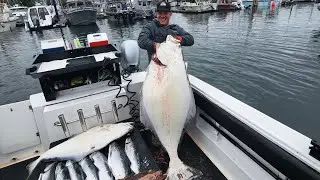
[{"x": 130, "y": 57}]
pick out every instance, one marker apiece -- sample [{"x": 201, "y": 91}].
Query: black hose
[
  {"x": 115, "y": 79},
  {"x": 134, "y": 112}
]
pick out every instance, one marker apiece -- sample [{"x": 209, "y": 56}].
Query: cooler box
[
  {"x": 97, "y": 39},
  {"x": 52, "y": 45}
]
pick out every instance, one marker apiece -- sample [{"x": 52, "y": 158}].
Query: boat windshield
[
  {"x": 43, "y": 12},
  {"x": 33, "y": 12}
]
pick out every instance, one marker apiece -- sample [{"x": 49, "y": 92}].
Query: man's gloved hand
[
  {"x": 155, "y": 46},
  {"x": 179, "y": 38}
]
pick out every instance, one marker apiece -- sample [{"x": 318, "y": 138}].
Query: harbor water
[{"x": 269, "y": 59}]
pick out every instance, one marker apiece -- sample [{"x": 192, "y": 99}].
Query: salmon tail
[
  {"x": 179, "y": 171},
  {"x": 35, "y": 168},
  {"x": 31, "y": 166}
]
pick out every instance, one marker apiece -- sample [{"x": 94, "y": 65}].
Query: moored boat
[
  {"x": 21, "y": 13},
  {"x": 195, "y": 7},
  {"x": 224, "y": 5},
  {"x": 80, "y": 12},
  {"x": 7, "y": 20},
  {"x": 145, "y": 9},
  {"x": 39, "y": 17},
  {"x": 118, "y": 10}
]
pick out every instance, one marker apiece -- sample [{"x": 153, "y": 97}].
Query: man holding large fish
[
  {"x": 167, "y": 101},
  {"x": 157, "y": 31}
]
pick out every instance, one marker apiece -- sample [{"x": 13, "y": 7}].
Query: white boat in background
[
  {"x": 40, "y": 17},
  {"x": 21, "y": 13},
  {"x": 7, "y": 20},
  {"x": 144, "y": 9},
  {"x": 195, "y": 7},
  {"x": 84, "y": 85},
  {"x": 100, "y": 10},
  {"x": 118, "y": 10}
]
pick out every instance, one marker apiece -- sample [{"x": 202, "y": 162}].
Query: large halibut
[{"x": 167, "y": 102}]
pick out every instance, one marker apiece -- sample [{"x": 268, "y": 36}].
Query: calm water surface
[{"x": 269, "y": 59}]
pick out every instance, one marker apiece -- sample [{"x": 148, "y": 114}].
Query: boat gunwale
[{"x": 278, "y": 157}]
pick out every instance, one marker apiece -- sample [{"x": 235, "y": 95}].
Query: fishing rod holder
[
  {"x": 58, "y": 123},
  {"x": 64, "y": 125},
  {"x": 115, "y": 110},
  {"x": 99, "y": 115},
  {"x": 82, "y": 120}
]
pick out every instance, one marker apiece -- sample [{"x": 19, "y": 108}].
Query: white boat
[
  {"x": 195, "y": 7},
  {"x": 7, "y": 20},
  {"x": 145, "y": 9},
  {"x": 120, "y": 10},
  {"x": 80, "y": 12},
  {"x": 20, "y": 12},
  {"x": 40, "y": 17},
  {"x": 242, "y": 142},
  {"x": 100, "y": 10}
]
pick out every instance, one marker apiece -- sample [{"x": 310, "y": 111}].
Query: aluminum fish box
[{"x": 73, "y": 71}]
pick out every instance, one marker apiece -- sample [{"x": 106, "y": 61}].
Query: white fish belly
[{"x": 167, "y": 98}]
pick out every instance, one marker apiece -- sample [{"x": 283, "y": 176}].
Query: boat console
[{"x": 67, "y": 71}]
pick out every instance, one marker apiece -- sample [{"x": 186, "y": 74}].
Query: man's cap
[{"x": 164, "y": 6}]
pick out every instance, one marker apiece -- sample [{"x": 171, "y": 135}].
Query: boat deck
[{"x": 17, "y": 171}]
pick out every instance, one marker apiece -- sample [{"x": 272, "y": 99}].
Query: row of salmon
[{"x": 120, "y": 163}]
